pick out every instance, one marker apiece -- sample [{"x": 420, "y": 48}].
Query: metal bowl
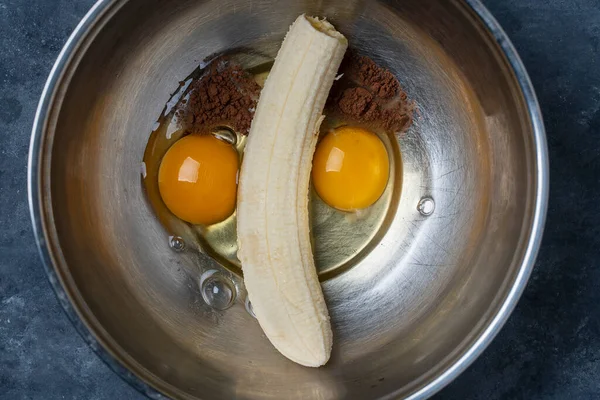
[{"x": 408, "y": 317}]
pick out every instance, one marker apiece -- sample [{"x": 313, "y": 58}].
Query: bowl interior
[{"x": 401, "y": 316}]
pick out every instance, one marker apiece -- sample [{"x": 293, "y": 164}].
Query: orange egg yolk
[
  {"x": 197, "y": 179},
  {"x": 350, "y": 168}
]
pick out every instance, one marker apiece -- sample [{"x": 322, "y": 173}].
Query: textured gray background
[{"x": 550, "y": 347}]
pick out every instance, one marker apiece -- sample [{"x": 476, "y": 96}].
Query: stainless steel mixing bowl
[{"x": 408, "y": 317}]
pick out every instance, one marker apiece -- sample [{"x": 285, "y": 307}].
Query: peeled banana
[{"x": 273, "y": 222}]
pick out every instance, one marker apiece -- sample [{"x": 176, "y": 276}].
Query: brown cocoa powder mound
[
  {"x": 380, "y": 81},
  {"x": 368, "y": 93},
  {"x": 224, "y": 95},
  {"x": 357, "y": 102}
]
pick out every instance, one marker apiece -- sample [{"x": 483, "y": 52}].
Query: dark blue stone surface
[{"x": 550, "y": 347}]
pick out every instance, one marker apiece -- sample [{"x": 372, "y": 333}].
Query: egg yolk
[
  {"x": 197, "y": 179},
  {"x": 350, "y": 168}
]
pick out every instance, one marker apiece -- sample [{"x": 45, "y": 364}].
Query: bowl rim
[{"x": 88, "y": 22}]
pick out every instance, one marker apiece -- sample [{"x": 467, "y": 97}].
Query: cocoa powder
[
  {"x": 368, "y": 93},
  {"x": 227, "y": 95},
  {"x": 224, "y": 95}
]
